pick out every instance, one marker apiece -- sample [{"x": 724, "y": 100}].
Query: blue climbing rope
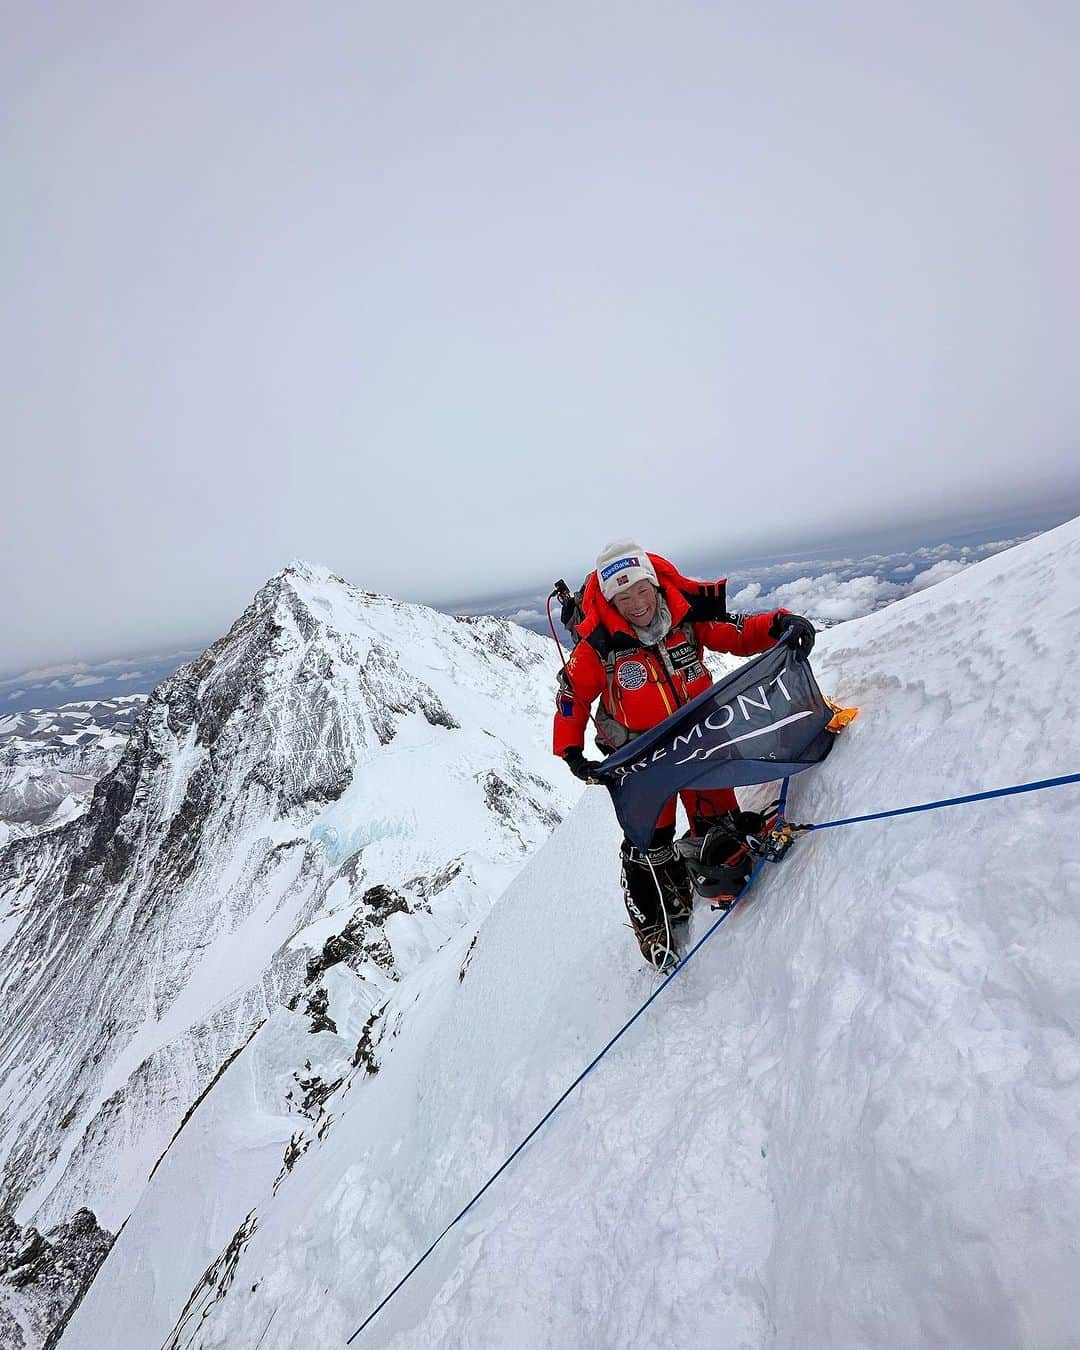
[
  {"x": 948, "y": 801},
  {"x": 580, "y": 1078},
  {"x": 778, "y": 826}
]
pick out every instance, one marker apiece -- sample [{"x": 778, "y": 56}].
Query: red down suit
[{"x": 639, "y": 686}]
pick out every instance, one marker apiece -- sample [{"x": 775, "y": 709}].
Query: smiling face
[{"x": 637, "y": 603}]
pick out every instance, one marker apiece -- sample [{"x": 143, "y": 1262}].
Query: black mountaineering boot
[
  {"x": 652, "y": 926},
  {"x": 720, "y": 860}
]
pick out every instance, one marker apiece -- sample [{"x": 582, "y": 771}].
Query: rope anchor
[{"x": 775, "y": 844}]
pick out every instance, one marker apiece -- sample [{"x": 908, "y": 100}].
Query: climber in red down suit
[{"x": 642, "y": 628}]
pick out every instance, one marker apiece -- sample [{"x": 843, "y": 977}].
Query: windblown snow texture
[{"x": 851, "y": 1122}]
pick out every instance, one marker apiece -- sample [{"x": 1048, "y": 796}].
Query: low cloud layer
[
  {"x": 827, "y": 590},
  {"x": 849, "y": 588},
  {"x": 827, "y": 598},
  {"x": 68, "y": 682}
]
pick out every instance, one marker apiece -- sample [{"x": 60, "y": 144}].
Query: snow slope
[{"x": 853, "y": 1120}]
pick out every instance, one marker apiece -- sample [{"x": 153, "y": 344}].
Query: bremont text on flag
[{"x": 766, "y": 721}]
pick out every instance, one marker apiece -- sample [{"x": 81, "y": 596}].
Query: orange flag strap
[{"x": 842, "y": 717}]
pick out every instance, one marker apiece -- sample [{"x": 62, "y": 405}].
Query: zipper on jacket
[{"x": 668, "y": 671}]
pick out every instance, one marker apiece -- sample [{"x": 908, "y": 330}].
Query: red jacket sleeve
[
  {"x": 747, "y": 638},
  {"x": 574, "y": 699}
]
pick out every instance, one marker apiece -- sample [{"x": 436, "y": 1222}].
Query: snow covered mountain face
[
  {"x": 340, "y": 783},
  {"x": 50, "y": 759},
  {"x": 850, "y": 1121}
]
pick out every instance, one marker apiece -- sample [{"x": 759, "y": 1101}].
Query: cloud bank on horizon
[
  {"x": 73, "y": 681},
  {"x": 832, "y": 597},
  {"x": 829, "y": 590},
  {"x": 443, "y": 302}
]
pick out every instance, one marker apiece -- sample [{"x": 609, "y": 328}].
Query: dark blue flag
[{"x": 766, "y": 721}]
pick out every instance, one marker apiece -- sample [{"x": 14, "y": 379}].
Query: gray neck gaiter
[{"x": 659, "y": 628}]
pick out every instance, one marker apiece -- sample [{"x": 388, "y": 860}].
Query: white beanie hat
[{"x": 622, "y": 563}]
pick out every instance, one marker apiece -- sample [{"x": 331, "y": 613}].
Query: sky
[
  {"x": 837, "y": 581},
  {"x": 446, "y": 296}
]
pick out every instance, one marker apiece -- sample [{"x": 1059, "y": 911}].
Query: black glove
[
  {"x": 579, "y": 766},
  {"x": 801, "y": 635}
]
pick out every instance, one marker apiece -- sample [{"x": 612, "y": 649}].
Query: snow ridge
[{"x": 851, "y": 1122}]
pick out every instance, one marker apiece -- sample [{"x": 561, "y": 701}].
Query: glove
[
  {"x": 802, "y": 634},
  {"x": 579, "y": 766}
]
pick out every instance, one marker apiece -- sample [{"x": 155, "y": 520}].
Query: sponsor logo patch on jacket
[
  {"x": 684, "y": 655},
  {"x": 632, "y": 675}
]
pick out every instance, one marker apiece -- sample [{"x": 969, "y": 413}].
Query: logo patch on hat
[
  {"x": 632, "y": 675},
  {"x": 619, "y": 565}
]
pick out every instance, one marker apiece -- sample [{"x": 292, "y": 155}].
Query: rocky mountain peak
[
  {"x": 235, "y": 711},
  {"x": 333, "y": 748}
]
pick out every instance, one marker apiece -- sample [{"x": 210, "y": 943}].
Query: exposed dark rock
[
  {"x": 435, "y": 713},
  {"x": 384, "y": 901},
  {"x": 182, "y": 847},
  {"x": 318, "y": 1006},
  {"x": 108, "y": 848},
  {"x": 316, "y": 1092},
  {"x": 70, "y": 1115},
  {"x": 27, "y": 1254},
  {"x": 426, "y": 887},
  {"x": 52, "y": 1270},
  {"x": 392, "y": 694},
  {"x": 507, "y": 800},
  {"x": 549, "y": 817},
  {"x": 468, "y": 959},
  {"x": 362, "y": 937},
  {"x": 364, "y": 1054},
  {"x": 212, "y": 1288},
  {"x": 498, "y": 794},
  {"x": 298, "y": 1145},
  {"x": 340, "y": 947}
]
